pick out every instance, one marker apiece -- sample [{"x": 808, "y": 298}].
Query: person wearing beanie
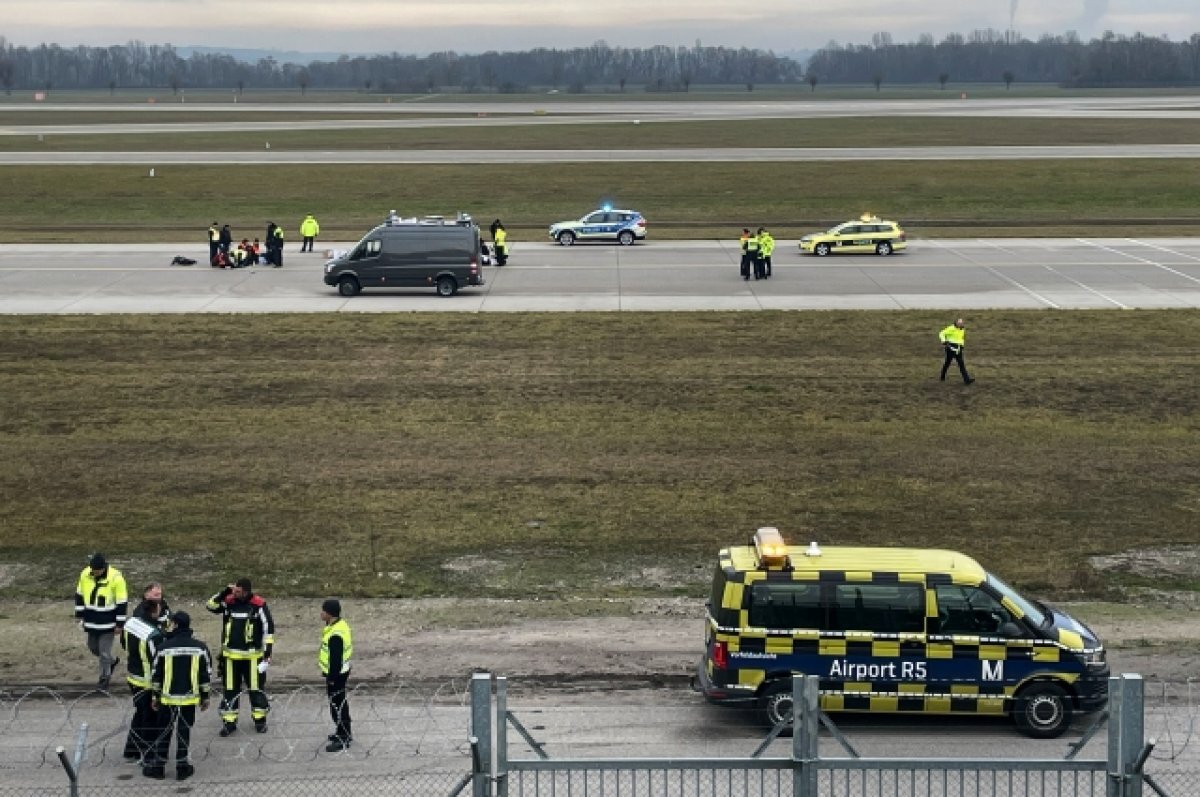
[
  {"x": 247, "y": 637},
  {"x": 337, "y": 647},
  {"x": 179, "y": 683},
  {"x": 101, "y": 605}
]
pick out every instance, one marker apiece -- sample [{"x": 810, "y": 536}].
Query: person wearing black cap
[
  {"x": 101, "y": 604},
  {"x": 179, "y": 683},
  {"x": 337, "y": 646}
]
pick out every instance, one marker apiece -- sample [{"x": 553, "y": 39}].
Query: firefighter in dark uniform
[
  {"x": 180, "y": 683},
  {"x": 954, "y": 340},
  {"x": 247, "y": 636},
  {"x": 141, "y": 638},
  {"x": 337, "y": 646}
]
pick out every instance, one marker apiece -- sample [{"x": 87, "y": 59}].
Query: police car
[
  {"x": 892, "y": 630},
  {"x": 605, "y": 224},
  {"x": 867, "y": 233}
]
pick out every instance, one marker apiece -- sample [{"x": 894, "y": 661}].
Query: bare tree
[
  {"x": 621, "y": 82},
  {"x": 302, "y": 79},
  {"x": 812, "y": 80},
  {"x": 686, "y": 80},
  {"x": 878, "y": 81},
  {"x": 6, "y": 75},
  {"x": 942, "y": 78},
  {"x": 112, "y": 87},
  {"x": 241, "y": 86},
  {"x": 367, "y": 85},
  {"x": 1008, "y": 79},
  {"x": 173, "y": 81}
]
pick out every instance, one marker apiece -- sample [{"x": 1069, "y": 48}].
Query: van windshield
[{"x": 1032, "y": 613}]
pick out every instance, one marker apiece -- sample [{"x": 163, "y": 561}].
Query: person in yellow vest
[
  {"x": 337, "y": 648},
  {"x": 954, "y": 340},
  {"x": 499, "y": 242},
  {"x": 101, "y": 606},
  {"x": 309, "y": 229},
  {"x": 767, "y": 248},
  {"x": 754, "y": 252}
]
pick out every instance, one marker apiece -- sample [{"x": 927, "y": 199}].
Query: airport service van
[
  {"x": 407, "y": 253},
  {"x": 892, "y": 630}
]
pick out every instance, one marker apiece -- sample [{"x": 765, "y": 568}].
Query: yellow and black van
[{"x": 892, "y": 630}]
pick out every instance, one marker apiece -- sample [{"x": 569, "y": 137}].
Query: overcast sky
[{"x": 422, "y": 26}]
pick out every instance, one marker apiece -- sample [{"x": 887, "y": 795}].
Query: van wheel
[
  {"x": 566, "y": 238},
  {"x": 1042, "y": 711},
  {"x": 820, "y": 250},
  {"x": 883, "y": 248},
  {"x": 348, "y": 286},
  {"x": 446, "y": 286},
  {"x": 775, "y": 704},
  {"x": 625, "y": 238}
]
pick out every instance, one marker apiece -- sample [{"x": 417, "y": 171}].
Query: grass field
[
  {"x": 891, "y": 131},
  {"x": 600, "y": 455},
  {"x": 685, "y": 200}
]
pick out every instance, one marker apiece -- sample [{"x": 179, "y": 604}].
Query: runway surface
[{"x": 955, "y": 275}]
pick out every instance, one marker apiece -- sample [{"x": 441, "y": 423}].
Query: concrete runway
[{"x": 954, "y": 275}]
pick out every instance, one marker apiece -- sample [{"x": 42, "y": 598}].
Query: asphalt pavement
[{"x": 952, "y": 275}]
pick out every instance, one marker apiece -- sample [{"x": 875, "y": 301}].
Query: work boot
[
  {"x": 337, "y": 745},
  {"x": 228, "y": 728},
  {"x": 184, "y": 771},
  {"x": 158, "y": 773},
  {"x": 260, "y": 726}
]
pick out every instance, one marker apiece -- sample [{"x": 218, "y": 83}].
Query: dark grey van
[{"x": 432, "y": 253}]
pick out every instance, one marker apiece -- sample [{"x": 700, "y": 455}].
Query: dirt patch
[
  {"x": 1177, "y": 562},
  {"x": 554, "y": 643}
]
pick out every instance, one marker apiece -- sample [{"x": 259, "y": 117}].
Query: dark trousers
[
  {"x": 307, "y": 244},
  {"x": 767, "y": 265},
  {"x": 759, "y": 268},
  {"x": 237, "y": 674},
  {"x": 213, "y": 248},
  {"x": 179, "y": 719},
  {"x": 955, "y": 354},
  {"x": 501, "y": 255},
  {"x": 145, "y": 726},
  {"x": 745, "y": 268},
  {"x": 275, "y": 255},
  {"x": 339, "y": 705}
]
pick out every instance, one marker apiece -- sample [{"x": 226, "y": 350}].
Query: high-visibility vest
[
  {"x": 338, "y": 628},
  {"x": 953, "y": 334},
  {"x": 101, "y": 603},
  {"x": 501, "y": 239},
  {"x": 309, "y": 227}
]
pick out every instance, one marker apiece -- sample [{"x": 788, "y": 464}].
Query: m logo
[{"x": 993, "y": 671}]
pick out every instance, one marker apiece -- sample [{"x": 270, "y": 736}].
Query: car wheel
[
  {"x": 446, "y": 286},
  {"x": 566, "y": 238},
  {"x": 820, "y": 250},
  {"x": 625, "y": 238},
  {"x": 348, "y": 286},
  {"x": 775, "y": 705},
  {"x": 883, "y": 248},
  {"x": 1042, "y": 711}
]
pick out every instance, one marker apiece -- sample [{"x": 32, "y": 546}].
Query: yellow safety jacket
[
  {"x": 338, "y": 628},
  {"x": 309, "y": 227},
  {"x": 768, "y": 244},
  {"x": 101, "y": 603},
  {"x": 501, "y": 240},
  {"x": 954, "y": 335}
]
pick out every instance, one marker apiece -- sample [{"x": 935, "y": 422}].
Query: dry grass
[{"x": 575, "y": 453}]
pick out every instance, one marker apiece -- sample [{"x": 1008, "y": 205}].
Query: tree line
[
  {"x": 990, "y": 56},
  {"x": 139, "y": 65},
  {"x": 981, "y": 57}
]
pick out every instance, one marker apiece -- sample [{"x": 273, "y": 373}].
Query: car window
[
  {"x": 883, "y": 608},
  {"x": 785, "y": 606},
  {"x": 851, "y": 230},
  {"x": 969, "y": 611},
  {"x": 593, "y": 218}
]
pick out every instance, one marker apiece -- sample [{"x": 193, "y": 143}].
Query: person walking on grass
[
  {"x": 954, "y": 340},
  {"x": 337, "y": 647},
  {"x": 101, "y": 607},
  {"x": 309, "y": 230}
]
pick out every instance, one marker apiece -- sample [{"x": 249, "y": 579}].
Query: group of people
[
  {"x": 757, "y": 249},
  {"x": 222, "y": 253},
  {"x": 169, "y": 670}
]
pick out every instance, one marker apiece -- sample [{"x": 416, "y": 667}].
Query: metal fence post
[
  {"x": 806, "y": 724},
  {"x": 481, "y": 731},
  {"x": 72, "y": 766},
  {"x": 501, "y": 736},
  {"x": 1126, "y": 732}
]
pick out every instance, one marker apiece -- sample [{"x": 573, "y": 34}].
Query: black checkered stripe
[{"x": 890, "y": 646}]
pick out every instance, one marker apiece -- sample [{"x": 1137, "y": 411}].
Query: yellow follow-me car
[{"x": 867, "y": 233}]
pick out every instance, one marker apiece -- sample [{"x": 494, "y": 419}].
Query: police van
[{"x": 892, "y": 630}]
